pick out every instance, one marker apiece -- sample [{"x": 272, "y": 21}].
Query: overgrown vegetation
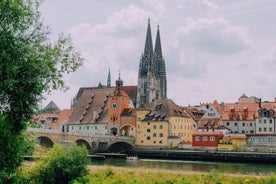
[
  {"x": 57, "y": 165},
  {"x": 146, "y": 176},
  {"x": 31, "y": 64}
]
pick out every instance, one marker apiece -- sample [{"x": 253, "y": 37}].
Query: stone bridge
[{"x": 101, "y": 143}]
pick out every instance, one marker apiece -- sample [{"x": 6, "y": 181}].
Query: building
[
  {"x": 212, "y": 121},
  {"x": 232, "y": 143},
  {"x": 152, "y": 81},
  {"x": 265, "y": 119},
  {"x": 206, "y": 139},
  {"x": 194, "y": 113},
  {"x": 101, "y": 111},
  {"x": 54, "y": 120},
  {"x": 163, "y": 124},
  {"x": 240, "y": 117},
  {"x": 265, "y": 142}
]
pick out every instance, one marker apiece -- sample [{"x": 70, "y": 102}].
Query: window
[
  {"x": 148, "y": 130},
  {"x": 148, "y": 137},
  {"x": 72, "y": 128},
  {"x": 148, "y": 123},
  {"x": 243, "y": 124},
  {"x": 227, "y": 123},
  {"x": 95, "y": 127},
  {"x": 105, "y": 127},
  {"x": 236, "y": 124},
  {"x": 264, "y": 120},
  {"x": 161, "y": 135},
  {"x": 260, "y": 121},
  {"x": 160, "y": 142},
  {"x": 154, "y": 135},
  {"x": 79, "y": 128},
  {"x": 265, "y": 129},
  {"x": 270, "y": 129},
  {"x": 154, "y": 126},
  {"x": 260, "y": 129},
  {"x": 212, "y": 138},
  {"x": 161, "y": 126},
  {"x": 270, "y": 121},
  {"x": 87, "y": 127},
  {"x": 154, "y": 142},
  {"x": 205, "y": 138},
  {"x": 197, "y": 138}
]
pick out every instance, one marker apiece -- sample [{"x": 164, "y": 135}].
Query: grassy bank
[{"x": 115, "y": 175}]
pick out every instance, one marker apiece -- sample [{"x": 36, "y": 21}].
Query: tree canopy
[{"x": 30, "y": 65}]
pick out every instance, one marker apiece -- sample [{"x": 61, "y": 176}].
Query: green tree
[
  {"x": 30, "y": 65},
  {"x": 60, "y": 165}
]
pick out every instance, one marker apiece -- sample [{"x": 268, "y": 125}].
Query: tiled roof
[
  {"x": 236, "y": 111},
  {"x": 194, "y": 113},
  {"x": 210, "y": 123},
  {"x": 163, "y": 109},
  {"x": 92, "y": 106}
]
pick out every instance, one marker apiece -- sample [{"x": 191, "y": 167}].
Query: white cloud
[{"x": 212, "y": 35}]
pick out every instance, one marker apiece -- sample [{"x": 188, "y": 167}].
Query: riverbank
[
  {"x": 107, "y": 174},
  {"x": 249, "y": 157}
]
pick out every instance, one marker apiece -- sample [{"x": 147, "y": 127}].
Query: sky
[{"x": 213, "y": 49}]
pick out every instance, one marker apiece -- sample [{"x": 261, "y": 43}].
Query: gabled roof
[
  {"x": 194, "y": 113},
  {"x": 164, "y": 109},
  {"x": 92, "y": 106},
  {"x": 52, "y": 105}
]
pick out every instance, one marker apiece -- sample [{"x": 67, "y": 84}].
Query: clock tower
[{"x": 117, "y": 103}]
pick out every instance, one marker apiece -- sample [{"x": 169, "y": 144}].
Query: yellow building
[
  {"x": 232, "y": 143},
  {"x": 183, "y": 127},
  {"x": 162, "y": 125}
]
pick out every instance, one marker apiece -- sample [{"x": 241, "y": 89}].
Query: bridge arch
[
  {"x": 45, "y": 141},
  {"x": 119, "y": 147},
  {"x": 83, "y": 142},
  {"x": 127, "y": 130}
]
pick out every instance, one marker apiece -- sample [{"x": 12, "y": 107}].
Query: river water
[{"x": 191, "y": 166}]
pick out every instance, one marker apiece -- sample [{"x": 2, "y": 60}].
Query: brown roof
[
  {"x": 92, "y": 106},
  {"x": 163, "y": 109},
  {"x": 129, "y": 112},
  {"x": 194, "y": 113},
  {"x": 238, "y": 110},
  {"x": 210, "y": 123}
]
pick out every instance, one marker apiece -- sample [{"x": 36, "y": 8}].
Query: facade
[
  {"x": 152, "y": 81},
  {"x": 194, "y": 114},
  {"x": 55, "y": 120},
  {"x": 233, "y": 143},
  {"x": 206, "y": 139},
  {"x": 240, "y": 117},
  {"x": 265, "y": 119},
  {"x": 212, "y": 121},
  {"x": 163, "y": 124},
  {"x": 261, "y": 141},
  {"x": 101, "y": 111}
]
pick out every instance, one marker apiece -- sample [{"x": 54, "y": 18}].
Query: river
[{"x": 191, "y": 166}]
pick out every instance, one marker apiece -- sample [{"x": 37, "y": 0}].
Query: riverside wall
[{"x": 220, "y": 156}]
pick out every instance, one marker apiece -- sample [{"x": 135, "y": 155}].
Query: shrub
[{"x": 60, "y": 165}]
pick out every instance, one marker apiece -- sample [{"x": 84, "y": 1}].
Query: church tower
[{"x": 152, "y": 81}]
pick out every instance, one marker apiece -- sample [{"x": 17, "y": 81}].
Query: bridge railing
[{"x": 81, "y": 134}]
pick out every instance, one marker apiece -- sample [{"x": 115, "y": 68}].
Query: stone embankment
[{"x": 252, "y": 157}]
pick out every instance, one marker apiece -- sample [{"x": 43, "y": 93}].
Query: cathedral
[{"x": 152, "y": 82}]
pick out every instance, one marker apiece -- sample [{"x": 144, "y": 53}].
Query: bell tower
[{"x": 117, "y": 103}]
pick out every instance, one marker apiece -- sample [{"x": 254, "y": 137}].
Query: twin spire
[
  {"x": 148, "y": 51},
  {"x": 152, "y": 82}
]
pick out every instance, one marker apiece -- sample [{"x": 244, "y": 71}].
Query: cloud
[{"x": 212, "y": 35}]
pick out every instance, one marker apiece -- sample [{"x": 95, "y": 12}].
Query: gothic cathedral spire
[
  {"x": 152, "y": 82},
  {"x": 109, "y": 79}
]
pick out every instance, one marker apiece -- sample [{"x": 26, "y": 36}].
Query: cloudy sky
[{"x": 213, "y": 49}]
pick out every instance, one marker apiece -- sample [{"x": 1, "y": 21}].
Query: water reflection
[{"x": 195, "y": 166}]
